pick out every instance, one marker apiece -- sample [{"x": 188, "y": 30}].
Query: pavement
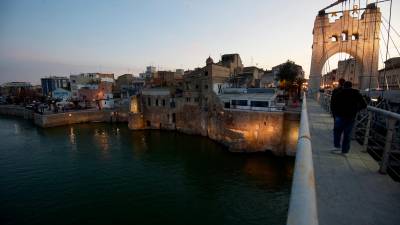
[{"x": 350, "y": 190}]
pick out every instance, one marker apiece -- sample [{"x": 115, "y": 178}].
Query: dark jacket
[
  {"x": 346, "y": 103},
  {"x": 333, "y": 96}
]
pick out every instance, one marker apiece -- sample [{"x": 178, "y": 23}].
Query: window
[
  {"x": 259, "y": 103},
  {"x": 354, "y": 37},
  {"x": 197, "y": 86},
  {"x": 157, "y": 102},
  {"x": 227, "y": 105},
  {"x": 206, "y": 73},
  {"x": 163, "y": 102},
  {"x": 187, "y": 99},
  {"x": 344, "y": 36},
  {"x": 149, "y": 101},
  {"x": 334, "y": 38},
  {"x": 196, "y": 99},
  {"x": 206, "y": 86},
  {"x": 239, "y": 102}
]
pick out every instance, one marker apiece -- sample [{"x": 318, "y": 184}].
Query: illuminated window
[
  {"x": 334, "y": 38},
  {"x": 354, "y": 37}
]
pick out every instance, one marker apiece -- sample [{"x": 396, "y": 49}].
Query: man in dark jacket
[
  {"x": 347, "y": 103},
  {"x": 334, "y": 92}
]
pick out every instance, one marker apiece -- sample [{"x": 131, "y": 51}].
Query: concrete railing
[{"x": 303, "y": 204}]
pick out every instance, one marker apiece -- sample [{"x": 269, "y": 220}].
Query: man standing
[
  {"x": 347, "y": 103},
  {"x": 334, "y": 93}
]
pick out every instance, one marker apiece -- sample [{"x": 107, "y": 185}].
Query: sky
[{"x": 40, "y": 38}]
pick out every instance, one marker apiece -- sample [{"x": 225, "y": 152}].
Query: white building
[{"x": 254, "y": 99}]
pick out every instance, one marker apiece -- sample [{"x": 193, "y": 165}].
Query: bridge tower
[{"x": 358, "y": 37}]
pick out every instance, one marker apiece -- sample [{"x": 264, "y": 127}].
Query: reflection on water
[
  {"x": 148, "y": 177},
  {"x": 72, "y": 137},
  {"x": 16, "y": 128},
  {"x": 101, "y": 139}
]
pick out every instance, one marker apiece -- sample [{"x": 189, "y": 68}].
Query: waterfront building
[
  {"x": 268, "y": 80},
  {"x": 250, "y": 77},
  {"x": 254, "y": 99},
  {"x": 49, "y": 84},
  {"x": 126, "y": 86},
  {"x": 61, "y": 94},
  {"x": 149, "y": 73},
  {"x": 389, "y": 77},
  {"x": 200, "y": 106},
  {"x": 14, "y": 88},
  {"x": 97, "y": 93},
  {"x": 82, "y": 80}
]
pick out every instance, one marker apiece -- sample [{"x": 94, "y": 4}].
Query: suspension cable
[
  {"x": 357, "y": 39},
  {"x": 395, "y": 31},
  {"x": 373, "y": 50},
  {"x": 388, "y": 37}
]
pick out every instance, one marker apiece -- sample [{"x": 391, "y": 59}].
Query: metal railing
[
  {"x": 303, "y": 204},
  {"x": 378, "y": 131}
]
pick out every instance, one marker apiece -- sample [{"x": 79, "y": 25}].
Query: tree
[{"x": 287, "y": 74}]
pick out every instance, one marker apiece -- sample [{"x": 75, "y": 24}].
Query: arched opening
[
  {"x": 344, "y": 36},
  {"x": 340, "y": 65},
  {"x": 354, "y": 37},
  {"x": 334, "y": 38}
]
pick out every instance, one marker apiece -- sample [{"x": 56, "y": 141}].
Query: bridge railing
[
  {"x": 378, "y": 131},
  {"x": 303, "y": 205}
]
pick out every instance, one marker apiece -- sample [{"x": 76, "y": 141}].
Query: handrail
[
  {"x": 303, "y": 204},
  {"x": 384, "y": 112}
]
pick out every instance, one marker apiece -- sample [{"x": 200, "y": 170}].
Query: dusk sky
[{"x": 41, "y": 37}]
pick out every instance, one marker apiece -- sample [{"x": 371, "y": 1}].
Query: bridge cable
[
  {"x": 357, "y": 39},
  {"x": 397, "y": 33},
  {"x": 373, "y": 50},
  {"x": 363, "y": 46},
  {"x": 388, "y": 35}
]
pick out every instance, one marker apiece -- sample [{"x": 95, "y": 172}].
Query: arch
[{"x": 347, "y": 35}]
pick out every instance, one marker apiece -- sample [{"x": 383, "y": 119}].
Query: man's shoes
[{"x": 338, "y": 151}]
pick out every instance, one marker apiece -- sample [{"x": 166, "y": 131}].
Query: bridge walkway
[{"x": 349, "y": 188}]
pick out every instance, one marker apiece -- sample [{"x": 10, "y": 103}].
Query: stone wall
[
  {"x": 13, "y": 110},
  {"x": 60, "y": 119},
  {"x": 241, "y": 131}
]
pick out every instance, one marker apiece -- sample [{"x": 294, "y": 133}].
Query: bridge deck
[{"x": 349, "y": 188}]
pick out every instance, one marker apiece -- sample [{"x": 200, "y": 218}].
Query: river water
[{"x": 107, "y": 174}]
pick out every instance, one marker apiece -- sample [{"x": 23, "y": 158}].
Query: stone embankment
[{"x": 61, "y": 119}]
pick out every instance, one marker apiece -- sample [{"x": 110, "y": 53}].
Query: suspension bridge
[{"x": 362, "y": 187}]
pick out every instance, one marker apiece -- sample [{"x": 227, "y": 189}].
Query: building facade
[
  {"x": 49, "y": 84},
  {"x": 389, "y": 77}
]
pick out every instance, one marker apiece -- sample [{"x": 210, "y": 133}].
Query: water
[{"x": 107, "y": 174}]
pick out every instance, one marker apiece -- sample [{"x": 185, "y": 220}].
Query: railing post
[
  {"x": 390, "y": 123},
  {"x": 366, "y": 136}
]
